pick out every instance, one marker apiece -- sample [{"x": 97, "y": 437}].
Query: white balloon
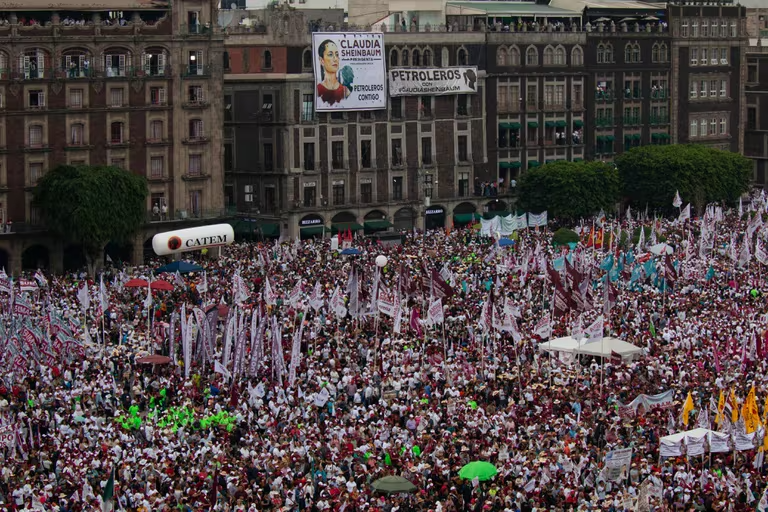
[{"x": 381, "y": 260}]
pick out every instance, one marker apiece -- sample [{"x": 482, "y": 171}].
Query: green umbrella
[
  {"x": 393, "y": 484},
  {"x": 478, "y": 469}
]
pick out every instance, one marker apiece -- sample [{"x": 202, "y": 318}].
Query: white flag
[
  {"x": 270, "y": 297},
  {"x": 577, "y": 332},
  {"x": 595, "y": 331},
  {"x": 435, "y": 312},
  {"x": 685, "y": 213},
  {"x": 677, "y": 202},
  {"x": 316, "y": 298},
  {"x": 148, "y": 300},
  {"x": 84, "y": 297},
  {"x": 543, "y": 329},
  {"x": 760, "y": 253},
  {"x": 219, "y": 368},
  {"x": 741, "y": 209},
  {"x": 203, "y": 287}
]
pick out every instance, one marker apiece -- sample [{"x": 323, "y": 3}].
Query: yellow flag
[
  {"x": 721, "y": 406},
  {"x": 765, "y": 413},
  {"x": 735, "y": 407},
  {"x": 752, "y": 416},
  {"x": 687, "y": 408}
]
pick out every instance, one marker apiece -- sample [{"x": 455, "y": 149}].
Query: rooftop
[
  {"x": 82, "y": 5},
  {"x": 506, "y": 9}
]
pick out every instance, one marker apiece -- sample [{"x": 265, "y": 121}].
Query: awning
[
  {"x": 270, "y": 229},
  {"x": 549, "y": 124},
  {"x": 377, "y": 224},
  {"x": 465, "y": 218},
  {"x": 637, "y": 136},
  {"x": 560, "y": 124},
  {"x": 533, "y": 163},
  {"x": 509, "y": 126},
  {"x": 600, "y": 138},
  {"x": 578, "y": 123},
  {"x": 509, "y": 165},
  {"x": 609, "y": 138},
  {"x": 495, "y": 213},
  {"x": 549, "y": 161},
  {"x": 345, "y": 226},
  {"x": 533, "y": 124},
  {"x": 655, "y": 135},
  {"x": 665, "y": 135},
  {"x": 578, "y": 159},
  {"x": 313, "y": 230}
]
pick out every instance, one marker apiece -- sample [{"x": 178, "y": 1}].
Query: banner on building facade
[
  {"x": 432, "y": 81},
  {"x": 350, "y": 72}
]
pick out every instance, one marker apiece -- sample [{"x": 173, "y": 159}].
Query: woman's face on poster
[{"x": 331, "y": 58}]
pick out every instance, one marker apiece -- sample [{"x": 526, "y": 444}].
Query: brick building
[{"x": 126, "y": 83}]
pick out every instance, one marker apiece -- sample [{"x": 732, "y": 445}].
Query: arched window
[
  {"x": 577, "y": 56},
  {"x": 549, "y": 56},
  {"x": 445, "y": 57},
  {"x": 559, "y": 56},
  {"x": 462, "y": 56},
  {"x": 267, "y": 63},
  {"x": 306, "y": 59},
  {"x": 636, "y": 53},
  {"x": 427, "y": 58},
  {"x": 531, "y": 56},
  {"x": 628, "y": 53},
  {"x": 393, "y": 54},
  {"x": 663, "y": 53},
  {"x": 32, "y": 63},
  {"x": 501, "y": 56},
  {"x": 416, "y": 58},
  {"x": 609, "y": 53},
  {"x": 514, "y": 56},
  {"x": 404, "y": 56},
  {"x": 655, "y": 53},
  {"x": 73, "y": 62},
  {"x": 118, "y": 60},
  {"x": 601, "y": 54}
]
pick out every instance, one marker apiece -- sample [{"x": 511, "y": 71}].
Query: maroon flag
[
  {"x": 415, "y": 325},
  {"x": 572, "y": 276},
  {"x": 552, "y": 274},
  {"x": 436, "y": 286},
  {"x": 616, "y": 357},
  {"x": 611, "y": 297},
  {"x": 562, "y": 300},
  {"x": 670, "y": 273}
]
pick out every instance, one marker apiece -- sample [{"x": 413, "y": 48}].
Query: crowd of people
[{"x": 346, "y": 391}]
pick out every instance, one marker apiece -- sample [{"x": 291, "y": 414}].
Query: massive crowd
[{"x": 313, "y": 428}]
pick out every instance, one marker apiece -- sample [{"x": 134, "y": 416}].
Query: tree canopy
[
  {"x": 651, "y": 175},
  {"x": 570, "y": 190},
  {"x": 92, "y": 205}
]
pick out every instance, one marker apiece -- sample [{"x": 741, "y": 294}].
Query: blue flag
[
  {"x": 710, "y": 272},
  {"x": 607, "y": 263}
]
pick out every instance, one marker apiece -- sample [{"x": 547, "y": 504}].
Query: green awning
[
  {"x": 560, "y": 124},
  {"x": 600, "y": 138},
  {"x": 504, "y": 126},
  {"x": 665, "y": 135},
  {"x": 655, "y": 135},
  {"x": 465, "y": 218},
  {"x": 628, "y": 136},
  {"x": 549, "y": 124},
  {"x": 549, "y": 161},
  {"x": 509, "y": 165},
  {"x": 578, "y": 123},
  {"x": 609, "y": 138},
  {"x": 533, "y": 163},
  {"x": 345, "y": 226},
  {"x": 495, "y": 213},
  {"x": 313, "y": 230},
  {"x": 377, "y": 224},
  {"x": 637, "y": 136},
  {"x": 509, "y": 126},
  {"x": 533, "y": 124},
  {"x": 270, "y": 229},
  {"x": 578, "y": 159}
]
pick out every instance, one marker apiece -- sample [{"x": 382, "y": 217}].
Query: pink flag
[
  {"x": 415, "y": 325},
  {"x": 717, "y": 358}
]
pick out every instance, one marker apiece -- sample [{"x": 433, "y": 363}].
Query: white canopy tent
[
  {"x": 569, "y": 347},
  {"x": 716, "y": 442}
]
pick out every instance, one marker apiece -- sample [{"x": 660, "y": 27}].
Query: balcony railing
[
  {"x": 603, "y": 121},
  {"x": 198, "y": 139},
  {"x": 635, "y": 94},
  {"x": 659, "y": 120},
  {"x": 81, "y": 73},
  {"x": 196, "y": 70},
  {"x": 196, "y": 29},
  {"x": 632, "y": 120},
  {"x": 659, "y": 94},
  {"x": 606, "y": 95},
  {"x": 181, "y": 215}
]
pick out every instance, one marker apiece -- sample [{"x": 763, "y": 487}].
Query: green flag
[
  {"x": 109, "y": 490},
  {"x": 652, "y": 328}
]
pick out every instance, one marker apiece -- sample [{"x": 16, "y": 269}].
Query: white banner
[
  {"x": 617, "y": 464},
  {"x": 536, "y": 220},
  {"x": 8, "y": 436},
  {"x": 349, "y": 71},
  {"x": 719, "y": 443},
  {"x": 432, "y": 81}
]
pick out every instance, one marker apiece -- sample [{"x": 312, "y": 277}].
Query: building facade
[{"x": 128, "y": 83}]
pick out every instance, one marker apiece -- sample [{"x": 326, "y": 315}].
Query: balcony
[
  {"x": 604, "y": 122},
  {"x": 157, "y": 142},
  {"x": 605, "y": 95},
  {"x": 36, "y": 148},
  {"x": 554, "y": 106},
  {"x": 197, "y": 104},
  {"x": 659, "y": 120},
  {"x": 117, "y": 143},
  {"x": 195, "y": 140},
  {"x": 632, "y": 120},
  {"x": 78, "y": 146},
  {"x": 510, "y": 107},
  {"x": 182, "y": 215},
  {"x": 195, "y": 176},
  {"x": 158, "y": 178},
  {"x": 635, "y": 94},
  {"x": 196, "y": 30},
  {"x": 659, "y": 94},
  {"x": 195, "y": 70}
]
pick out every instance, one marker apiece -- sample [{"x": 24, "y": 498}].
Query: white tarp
[
  {"x": 565, "y": 348},
  {"x": 609, "y": 345},
  {"x": 694, "y": 440}
]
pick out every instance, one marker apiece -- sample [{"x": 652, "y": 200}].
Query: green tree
[
  {"x": 651, "y": 175},
  {"x": 570, "y": 190},
  {"x": 92, "y": 205}
]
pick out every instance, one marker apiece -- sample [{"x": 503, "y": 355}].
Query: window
[
  {"x": 723, "y": 29},
  {"x": 404, "y": 55},
  {"x": 713, "y": 88},
  {"x": 694, "y": 56},
  {"x": 156, "y": 95},
  {"x": 117, "y": 162},
  {"x": 196, "y": 129},
  {"x": 601, "y": 54},
  {"x": 560, "y": 95},
  {"x": 427, "y": 58},
  {"x": 514, "y": 56},
  {"x": 75, "y": 98},
  {"x": 704, "y": 56},
  {"x": 531, "y": 56},
  {"x": 116, "y": 97},
  {"x": 397, "y": 152},
  {"x": 225, "y": 60},
  {"x": 396, "y": 108},
  {"x": 337, "y": 154},
  {"x": 156, "y": 130},
  {"x": 308, "y": 108},
  {"x": 549, "y": 56},
  {"x": 195, "y": 94},
  {"x": 393, "y": 57},
  {"x": 463, "y": 150},
  {"x": 306, "y": 59},
  {"x": 366, "y": 192},
  {"x": 724, "y": 57},
  {"x": 463, "y": 184},
  {"x": 684, "y": 28},
  {"x": 365, "y": 154},
  {"x": 397, "y": 188},
  {"x": 154, "y": 63},
  {"x": 33, "y": 64},
  {"x": 636, "y": 53},
  {"x": 559, "y": 56},
  {"x": 196, "y": 202},
  {"x": 426, "y": 150},
  {"x": 703, "y": 88},
  {"x": 461, "y": 105},
  {"x": 425, "y": 106},
  {"x": 195, "y": 63},
  {"x": 501, "y": 56},
  {"x": 77, "y": 134},
  {"x": 429, "y": 183},
  {"x": 229, "y": 157},
  {"x": 608, "y": 53},
  {"x": 703, "y": 127},
  {"x": 35, "y": 135},
  {"x": 734, "y": 31},
  {"x": 35, "y": 172},
  {"x": 416, "y": 58},
  {"x": 115, "y": 64},
  {"x": 309, "y": 156},
  {"x": 549, "y": 94},
  {"x": 267, "y": 62},
  {"x": 156, "y": 167},
  {"x": 195, "y": 165},
  {"x": 116, "y": 132},
  {"x": 36, "y": 99},
  {"x": 752, "y": 118},
  {"x": 723, "y": 126},
  {"x": 577, "y": 95},
  {"x": 310, "y": 194},
  {"x": 228, "y": 107},
  {"x": 462, "y": 56},
  {"x": 577, "y": 56},
  {"x": 713, "y": 126},
  {"x": 695, "y": 28},
  {"x": 338, "y": 192},
  {"x": 694, "y": 128},
  {"x": 628, "y": 53},
  {"x": 267, "y": 108},
  {"x": 532, "y": 96}
]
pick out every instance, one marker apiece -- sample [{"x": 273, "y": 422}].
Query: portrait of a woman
[{"x": 330, "y": 89}]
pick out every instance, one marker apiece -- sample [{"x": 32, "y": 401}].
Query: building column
[
  {"x": 137, "y": 255},
  {"x": 56, "y": 258},
  {"x": 15, "y": 258},
  {"x": 449, "y": 218},
  {"x": 293, "y": 227}
]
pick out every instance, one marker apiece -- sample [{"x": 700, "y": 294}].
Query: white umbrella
[{"x": 662, "y": 248}]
